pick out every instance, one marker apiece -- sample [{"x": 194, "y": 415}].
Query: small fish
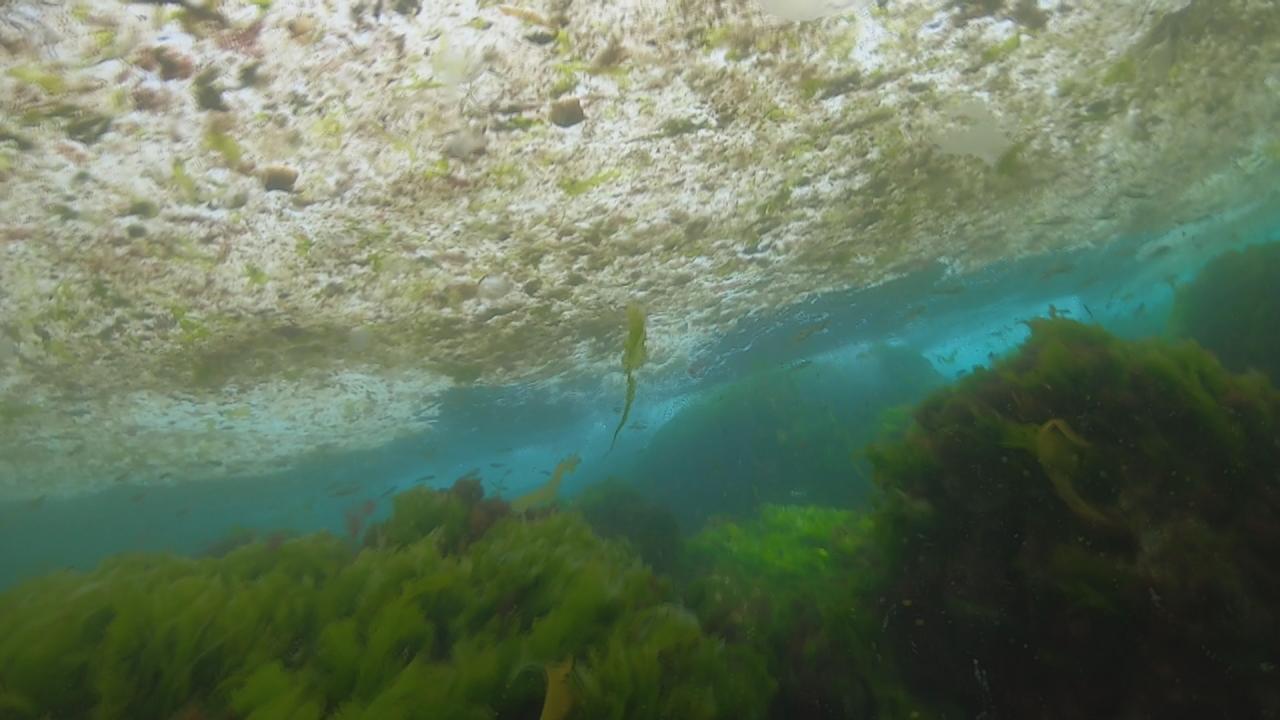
[
  {"x": 389, "y": 491},
  {"x": 1142, "y": 307},
  {"x": 1088, "y": 311},
  {"x": 425, "y": 478},
  {"x": 809, "y": 331},
  {"x": 799, "y": 364},
  {"x": 138, "y": 497},
  {"x": 37, "y": 503},
  {"x": 472, "y": 474},
  {"x": 1155, "y": 252},
  {"x": 497, "y": 465},
  {"x": 1059, "y": 268},
  {"x": 545, "y": 495}
]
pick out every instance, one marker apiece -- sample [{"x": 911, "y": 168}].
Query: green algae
[
  {"x": 994, "y": 498},
  {"x": 574, "y": 187},
  {"x": 427, "y": 620},
  {"x": 634, "y": 354},
  {"x": 799, "y": 584},
  {"x": 1122, "y": 72},
  {"x": 222, "y": 143},
  {"x": 52, "y": 83}
]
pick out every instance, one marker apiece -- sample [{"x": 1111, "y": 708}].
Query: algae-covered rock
[
  {"x": 1232, "y": 307},
  {"x": 566, "y": 112},
  {"x": 279, "y": 178},
  {"x": 437, "y": 617},
  {"x": 1087, "y": 530}
]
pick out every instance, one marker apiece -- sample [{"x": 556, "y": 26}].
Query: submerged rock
[
  {"x": 566, "y": 112},
  {"x": 279, "y": 178}
]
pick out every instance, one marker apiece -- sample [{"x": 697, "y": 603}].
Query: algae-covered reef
[
  {"x": 1088, "y": 530},
  {"x": 451, "y": 610},
  {"x": 1232, "y": 308}
]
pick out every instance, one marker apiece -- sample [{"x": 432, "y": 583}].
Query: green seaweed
[
  {"x": 1085, "y": 523},
  {"x": 1122, "y": 72},
  {"x": 798, "y": 585},
  {"x": 185, "y": 184},
  {"x": 573, "y": 187},
  {"x": 51, "y": 83},
  {"x": 634, "y": 355},
  {"x": 256, "y": 275},
  {"x": 222, "y": 143},
  {"x": 1001, "y": 50},
  {"x": 441, "y": 614},
  {"x": 87, "y": 127}
]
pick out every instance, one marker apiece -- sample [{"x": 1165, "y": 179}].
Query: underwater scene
[{"x": 628, "y": 359}]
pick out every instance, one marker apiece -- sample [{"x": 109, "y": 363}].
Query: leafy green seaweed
[
  {"x": 1086, "y": 525},
  {"x": 449, "y": 610},
  {"x": 634, "y": 355}
]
